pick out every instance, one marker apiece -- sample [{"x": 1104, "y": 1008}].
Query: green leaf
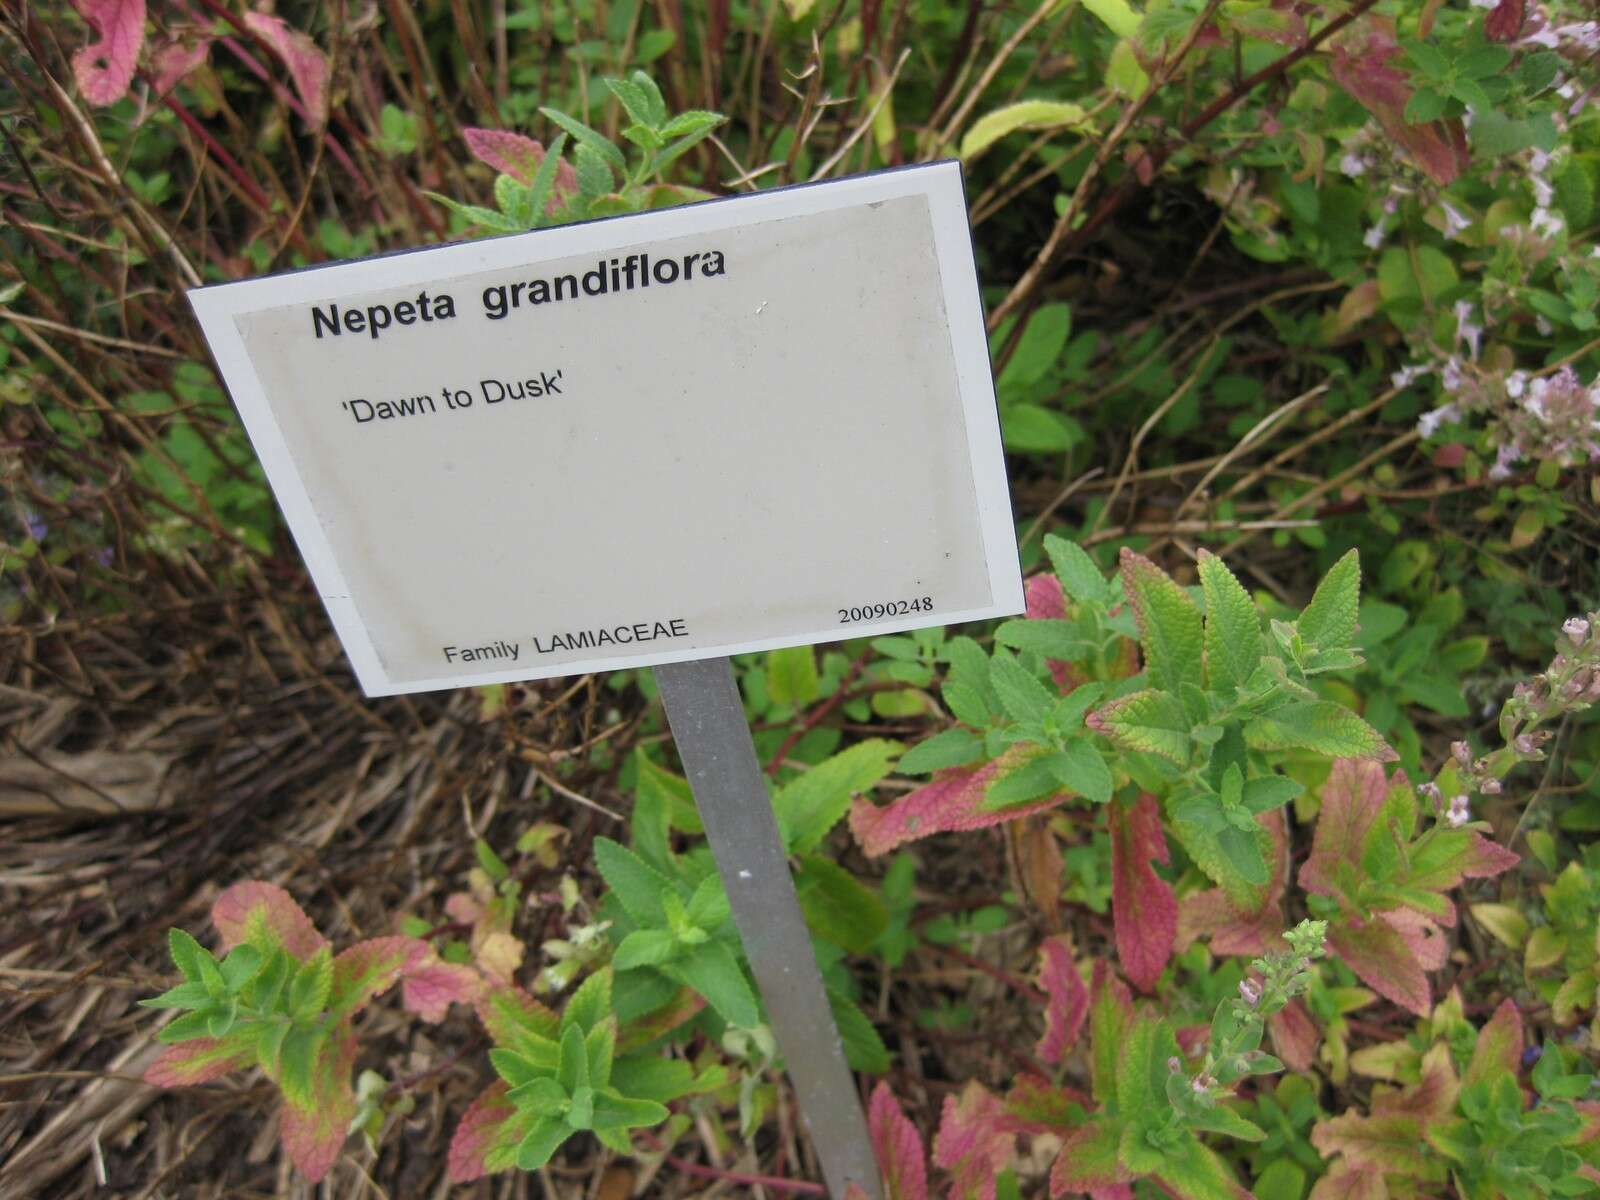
[
  {"x": 544, "y": 180},
  {"x": 615, "y": 1111},
  {"x": 240, "y": 967},
  {"x": 1042, "y": 341},
  {"x": 1232, "y": 625},
  {"x": 792, "y": 676},
  {"x": 1481, "y": 62},
  {"x": 1024, "y": 114},
  {"x": 1329, "y": 621},
  {"x": 486, "y": 217},
  {"x": 1223, "y": 1120},
  {"x": 312, "y": 985},
  {"x": 837, "y": 906},
  {"x": 813, "y": 803},
  {"x": 863, "y": 1048},
  {"x": 952, "y": 748},
  {"x": 1060, "y": 640},
  {"x": 712, "y": 970},
  {"x": 585, "y": 136},
  {"x": 573, "y": 1070},
  {"x": 1424, "y": 107},
  {"x": 589, "y": 1005},
  {"x": 637, "y": 885},
  {"x": 1151, "y": 721},
  {"x": 1243, "y": 853},
  {"x": 1321, "y": 726},
  {"x": 644, "y": 948},
  {"x": 966, "y": 703},
  {"x": 186, "y": 954},
  {"x": 1024, "y": 784},
  {"x": 517, "y": 1070},
  {"x": 692, "y": 123},
  {"x": 1430, "y": 60},
  {"x": 708, "y": 906},
  {"x": 297, "y": 1062},
  {"x": 1081, "y": 579},
  {"x": 1267, "y": 792},
  {"x": 1117, "y": 15},
  {"x": 655, "y": 105},
  {"x": 185, "y": 995},
  {"x": 651, "y": 1077},
  {"x": 1169, "y": 624},
  {"x": 594, "y": 172},
  {"x": 1032, "y": 429},
  {"x": 633, "y": 100},
  {"x": 1080, "y": 769},
  {"x": 544, "y": 1138},
  {"x": 1021, "y": 695}
]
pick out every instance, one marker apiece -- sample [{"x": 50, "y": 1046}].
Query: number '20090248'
[{"x": 887, "y": 608}]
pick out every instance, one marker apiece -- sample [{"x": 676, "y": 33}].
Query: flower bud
[
  {"x": 1460, "y": 812},
  {"x": 1490, "y": 787},
  {"x": 1462, "y": 753},
  {"x": 1577, "y": 629},
  {"x": 1250, "y": 992}
]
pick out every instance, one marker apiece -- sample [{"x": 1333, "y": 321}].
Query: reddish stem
[
  {"x": 214, "y": 148},
  {"x": 816, "y": 715}
]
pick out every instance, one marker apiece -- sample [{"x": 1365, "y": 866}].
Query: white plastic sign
[{"x": 749, "y": 423}]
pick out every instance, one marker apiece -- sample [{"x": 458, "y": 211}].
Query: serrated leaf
[
  {"x": 585, "y": 136},
  {"x": 1066, "y": 998},
  {"x": 1058, "y": 640},
  {"x": 1150, "y": 721},
  {"x": 1321, "y": 726},
  {"x": 1021, "y": 695},
  {"x": 837, "y": 906},
  {"x": 1169, "y": 624},
  {"x": 792, "y": 678},
  {"x": 1024, "y": 114},
  {"x": 712, "y": 970},
  {"x": 951, "y": 748},
  {"x": 1079, "y": 768},
  {"x": 589, "y": 1005},
  {"x": 644, "y": 948},
  {"x": 810, "y": 805},
  {"x": 1329, "y": 621},
  {"x": 966, "y": 703},
  {"x": 638, "y": 886},
  {"x": 1144, "y": 908},
  {"x": 692, "y": 122},
  {"x": 1232, "y": 626},
  {"x": 1080, "y": 577},
  {"x": 898, "y": 1147},
  {"x": 863, "y": 1048},
  {"x": 952, "y": 802}
]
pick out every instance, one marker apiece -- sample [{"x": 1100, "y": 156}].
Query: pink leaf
[
  {"x": 1498, "y": 1050},
  {"x": 898, "y": 1146},
  {"x": 1294, "y": 1035},
  {"x": 1486, "y": 859},
  {"x": 1503, "y": 23},
  {"x": 313, "y": 1135},
  {"x": 197, "y": 1061},
  {"x": 306, "y": 63},
  {"x": 951, "y": 803},
  {"x": 1088, "y": 1162},
  {"x": 369, "y": 968},
  {"x": 1439, "y": 147},
  {"x": 1381, "y": 957},
  {"x": 1420, "y": 934},
  {"x": 1047, "y": 602},
  {"x": 519, "y": 157},
  {"x": 481, "y": 1130},
  {"x": 1351, "y": 1183},
  {"x": 1067, "y": 1004},
  {"x": 265, "y": 914},
  {"x": 1143, "y": 905},
  {"x": 1034, "y": 1105},
  {"x": 173, "y": 62},
  {"x": 973, "y": 1144},
  {"x": 104, "y": 69},
  {"x": 430, "y": 989},
  {"x": 1351, "y": 800}
]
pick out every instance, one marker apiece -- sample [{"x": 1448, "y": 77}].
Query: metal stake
[{"x": 713, "y": 738}]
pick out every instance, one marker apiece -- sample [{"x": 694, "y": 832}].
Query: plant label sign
[{"x": 738, "y": 425}]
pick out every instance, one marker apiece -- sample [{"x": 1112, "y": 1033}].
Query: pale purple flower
[
  {"x": 1174, "y": 1064},
  {"x": 1546, "y": 223},
  {"x": 1542, "y": 324},
  {"x": 1525, "y": 743},
  {"x": 1428, "y": 423},
  {"x": 1460, "y": 812},
  {"x": 1538, "y": 161},
  {"x": 1454, "y": 222},
  {"x": 1490, "y": 787},
  {"x": 1451, "y": 375},
  {"x": 1516, "y": 384},
  {"x": 1250, "y": 992},
  {"x": 1408, "y": 375},
  {"x": 1462, "y": 753},
  {"x": 36, "y": 526},
  {"x": 1575, "y": 628},
  {"x": 1466, "y": 330},
  {"x": 1503, "y": 460},
  {"x": 1373, "y": 238},
  {"x": 1430, "y": 791},
  {"x": 1353, "y": 165}
]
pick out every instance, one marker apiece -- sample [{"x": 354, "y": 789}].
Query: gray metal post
[{"x": 713, "y": 738}]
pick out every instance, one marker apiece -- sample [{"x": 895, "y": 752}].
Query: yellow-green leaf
[{"x": 1025, "y": 114}]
